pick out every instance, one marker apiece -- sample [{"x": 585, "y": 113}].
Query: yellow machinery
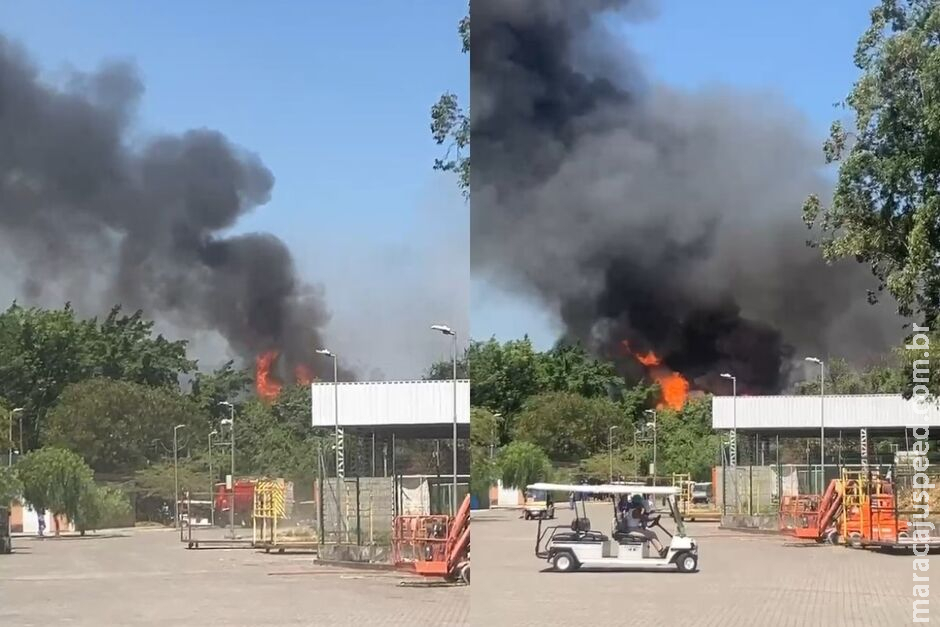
[
  {"x": 269, "y": 508},
  {"x": 686, "y": 501}
]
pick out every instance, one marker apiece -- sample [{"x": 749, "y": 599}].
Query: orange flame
[
  {"x": 267, "y": 387},
  {"x": 674, "y": 388},
  {"x": 303, "y": 374}
]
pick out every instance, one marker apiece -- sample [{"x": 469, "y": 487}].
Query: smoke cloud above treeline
[
  {"x": 90, "y": 213},
  {"x": 637, "y": 212}
]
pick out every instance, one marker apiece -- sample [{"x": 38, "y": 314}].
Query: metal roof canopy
[
  {"x": 405, "y": 409},
  {"x": 877, "y": 412}
]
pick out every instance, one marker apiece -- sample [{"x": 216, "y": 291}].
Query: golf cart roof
[{"x": 605, "y": 488}]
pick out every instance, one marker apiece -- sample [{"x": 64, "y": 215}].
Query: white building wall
[
  {"x": 838, "y": 412},
  {"x": 390, "y": 403}
]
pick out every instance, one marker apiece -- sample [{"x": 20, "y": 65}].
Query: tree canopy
[
  {"x": 113, "y": 424},
  {"x": 44, "y": 351},
  {"x": 450, "y": 126},
  {"x": 886, "y": 208},
  {"x": 54, "y": 480}
]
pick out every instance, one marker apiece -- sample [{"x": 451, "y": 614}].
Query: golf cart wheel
[
  {"x": 832, "y": 538},
  {"x": 687, "y": 563},
  {"x": 564, "y": 562},
  {"x": 855, "y": 540},
  {"x": 465, "y": 574},
  {"x": 526, "y": 516}
]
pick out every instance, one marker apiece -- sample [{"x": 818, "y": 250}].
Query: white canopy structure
[{"x": 422, "y": 409}]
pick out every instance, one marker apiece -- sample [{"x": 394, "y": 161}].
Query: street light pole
[
  {"x": 211, "y": 481},
  {"x": 338, "y": 444},
  {"x": 653, "y": 413},
  {"x": 636, "y": 458},
  {"x": 496, "y": 418},
  {"x": 231, "y": 423},
  {"x": 822, "y": 424},
  {"x": 610, "y": 452},
  {"x": 446, "y": 330},
  {"x": 176, "y": 477},
  {"x": 18, "y": 410}
]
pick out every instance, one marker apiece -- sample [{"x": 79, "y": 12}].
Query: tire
[
  {"x": 855, "y": 540},
  {"x": 564, "y": 562},
  {"x": 832, "y": 538},
  {"x": 526, "y": 516},
  {"x": 687, "y": 563},
  {"x": 465, "y": 574}
]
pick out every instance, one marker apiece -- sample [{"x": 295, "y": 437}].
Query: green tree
[
  {"x": 503, "y": 376},
  {"x": 886, "y": 207},
  {"x": 102, "y": 506},
  {"x": 597, "y": 467},
  {"x": 484, "y": 428},
  {"x": 10, "y": 486},
  {"x": 274, "y": 440},
  {"x": 568, "y": 368},
  {"x": 223, "y": 384},
  {"x": 54, "y": 480},
  {"x": 886, "y": 377},
  {"x": 444, "y": 370},
  {"x": 43, "y": 351},
  {"x": 523, "y": 463},
  {"x": 159, "y": 480},
  {"x": 686, "y": 442},
  {"x": 569, "y": 427},
  {"x": 450, "y": 126},
  {"x": 112, "y": 424}
]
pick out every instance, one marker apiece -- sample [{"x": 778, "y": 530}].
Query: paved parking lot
[
  {"x": 743, "y": 579},
  {"x": 148, "y": 578}
]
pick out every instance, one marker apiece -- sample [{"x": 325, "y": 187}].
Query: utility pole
[
  {"x": 176, "y": 478},
  {"x": 610, "y": 451},
  {"x": 231, "y": 423}
]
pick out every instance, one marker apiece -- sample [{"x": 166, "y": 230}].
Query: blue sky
[
  {"x": 335, "y": 98},
  {"x": 800, "y": 50}
]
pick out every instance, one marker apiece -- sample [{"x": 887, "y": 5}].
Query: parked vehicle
[
  {"x": 538, "y": 504},
  {"x": 568, "y": 548},
  {"x": 244, "y": 502}
]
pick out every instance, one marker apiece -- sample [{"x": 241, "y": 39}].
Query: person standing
[{"x": 42, "y": 522}]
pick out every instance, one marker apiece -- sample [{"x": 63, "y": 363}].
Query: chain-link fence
[{"x": 770, "y": 470}]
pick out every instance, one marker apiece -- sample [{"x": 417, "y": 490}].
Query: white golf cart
[{"x": 569, "y": 548}]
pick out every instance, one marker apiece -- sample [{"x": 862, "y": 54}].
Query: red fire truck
[{"x": 244, "y": 502}]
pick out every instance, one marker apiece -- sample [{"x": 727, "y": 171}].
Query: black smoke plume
[
  {"x": 105, "y": 217},
  {"x": 637, "y": 212}
]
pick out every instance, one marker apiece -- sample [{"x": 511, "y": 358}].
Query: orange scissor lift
[
  {"x": 870, "y": 515},
  {"x": 858, "y": 510},
  {"x": 813, "y": 517},
  {"x": 434, "y": 546}
]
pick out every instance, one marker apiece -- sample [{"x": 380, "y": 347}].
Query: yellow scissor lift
[
  {"x": 269, "y": 509},
  {"x": 690, "y": 511}
]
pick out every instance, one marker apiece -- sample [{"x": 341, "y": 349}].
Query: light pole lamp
[
  {"x": 652, "y": 412},
  {"x": 446, "y": 330},
  {"x": 176, "y": 477},
  {"x": 338, "y": 440},
  {"x": 230, "y": 421},
  {"x": 17, "y": 411},
  {"x": 610, "y": 451},
  {"x": 822, "y": 423},
  {"x": 211, "y": 481}
]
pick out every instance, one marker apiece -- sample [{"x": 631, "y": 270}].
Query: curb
[{"x": 375, "y": 566}]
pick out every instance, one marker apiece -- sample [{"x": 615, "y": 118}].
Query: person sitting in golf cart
[{"x": 636, "y": 519}]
